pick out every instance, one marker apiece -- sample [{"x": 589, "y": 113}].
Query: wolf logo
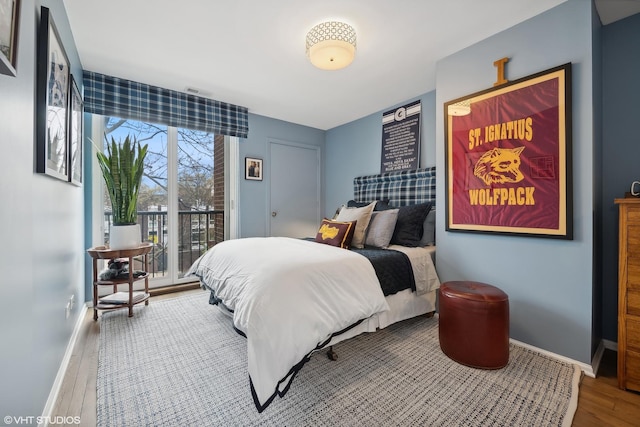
[
  {"x": 499, "y": 165},
  {"x": 328, "y": 232}
]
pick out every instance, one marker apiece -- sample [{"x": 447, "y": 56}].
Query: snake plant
[{"x": 122, "y": 169}]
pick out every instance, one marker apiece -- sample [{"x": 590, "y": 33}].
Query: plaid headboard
[{"x": 401, "y": 188}]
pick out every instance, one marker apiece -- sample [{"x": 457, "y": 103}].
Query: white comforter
[{"x": 287, "y": 295}]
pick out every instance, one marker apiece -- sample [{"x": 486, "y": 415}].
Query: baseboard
[
  {"x": 584, "y": 367},
  {"x": 62, "y": 370},
  {"x": 174, "y": 288},
  {"x": 610, "y": 345},
  {"x": 597, "y": 357}
]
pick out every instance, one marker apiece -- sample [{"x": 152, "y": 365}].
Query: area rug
[{"x": 179, "y": 362}]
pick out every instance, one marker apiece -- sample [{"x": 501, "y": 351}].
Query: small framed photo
[
  {"x": 253, "y": 168},
  {"x": 9, "y": 16}
]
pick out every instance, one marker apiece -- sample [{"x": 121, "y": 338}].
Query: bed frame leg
[{"x": 332, "y": 355}]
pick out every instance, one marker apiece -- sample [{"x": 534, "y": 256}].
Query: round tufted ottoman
[{"x": 474, "y": 324}]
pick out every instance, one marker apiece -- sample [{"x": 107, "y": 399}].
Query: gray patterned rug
[{"x": 178, "y": 362}]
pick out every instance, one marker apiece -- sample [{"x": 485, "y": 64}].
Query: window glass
[
  {"x": 153, "y": 199},
  {"x": 199, "y": 224},
  {"x": 196, "y": 214}
]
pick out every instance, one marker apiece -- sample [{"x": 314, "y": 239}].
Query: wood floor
[{"x": 601, "y": 403}]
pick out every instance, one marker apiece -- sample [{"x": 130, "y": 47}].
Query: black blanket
[{"x": 393, "y": 269}]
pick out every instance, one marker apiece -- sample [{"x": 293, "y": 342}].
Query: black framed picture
[
  {"x": 253, "y": 168},
  {"x": 9, "y": 17},
  {"x": 76, "y": 110},
  {"x": 52, "y": 103}
]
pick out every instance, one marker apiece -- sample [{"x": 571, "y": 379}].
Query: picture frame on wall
[
  {"x": 76, "y": 126},
  {"x": 52, "y": 101},
  {"x": 9, "y": 19},
  {"x": 508, "y": 158},
  {"x": 253, "y": 168}
]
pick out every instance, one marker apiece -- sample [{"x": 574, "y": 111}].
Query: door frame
[
  {"x": 318, "y": 150},
  {"x": 231, "y": 173}
]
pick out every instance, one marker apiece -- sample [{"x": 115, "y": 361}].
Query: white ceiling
[
  {"x": 614, "y": 10},
  {"x": 252, "y": 52}
]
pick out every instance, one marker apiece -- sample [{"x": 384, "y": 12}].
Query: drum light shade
[{"x": 331, "y": 45}]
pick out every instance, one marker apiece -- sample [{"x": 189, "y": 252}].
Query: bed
[{"x": 292, "y": 297}]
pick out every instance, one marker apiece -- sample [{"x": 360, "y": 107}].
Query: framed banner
[
  {"x": 508, "y": 158},
  {"x": 401, "y": 138}
]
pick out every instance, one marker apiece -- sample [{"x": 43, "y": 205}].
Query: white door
[{"x": 294, "y": 190}]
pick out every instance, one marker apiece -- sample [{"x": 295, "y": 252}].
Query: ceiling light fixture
[
  {"x": 461, "y": 108},
  {"x": 331, "y": 45}
]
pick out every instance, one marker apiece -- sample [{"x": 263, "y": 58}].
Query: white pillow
[
  {"x": 381, "y": 228},
  {"x": 363, "y": 216}
]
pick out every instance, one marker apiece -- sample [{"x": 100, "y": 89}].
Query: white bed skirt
[{"x": 403, "y": 305}]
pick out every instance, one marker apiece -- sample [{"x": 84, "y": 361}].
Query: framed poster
[
  {"x": 401, "y": 138},
  {"x": 253, "y": 168},
  {"x": 9, "y": 18},
  {"x": 76, "y": 111},
  {"x": 52, "y": 105},
  {"x": 508, "y": 158}
]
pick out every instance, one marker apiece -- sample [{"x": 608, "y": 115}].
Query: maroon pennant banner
[{"x": 508, "y": 158}]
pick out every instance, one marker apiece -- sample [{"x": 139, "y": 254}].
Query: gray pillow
[
  {"x": 429, "y": 234},
  {"x": 381, "y": 228}
]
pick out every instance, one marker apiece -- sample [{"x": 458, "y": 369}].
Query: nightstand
[{"x": 103, "y": 303}]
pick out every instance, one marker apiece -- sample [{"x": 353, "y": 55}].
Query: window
[{"x": 181, "y": 201}]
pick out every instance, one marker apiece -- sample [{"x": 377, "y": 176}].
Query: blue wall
[
  {"x": 621, "y": 147},
  {"x": 556, "y": 288},
  {"x": 549, "y": 282},
  {"x": 253, "y": 195},
  {"x": 354, "y": 149},
  {"x": 42, "y": 227}
]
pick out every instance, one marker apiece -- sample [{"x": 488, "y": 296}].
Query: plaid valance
[{"x": 112, "y": 96}]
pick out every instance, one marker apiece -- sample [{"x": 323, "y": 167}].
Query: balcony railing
[{"x": 197, "y": 232}]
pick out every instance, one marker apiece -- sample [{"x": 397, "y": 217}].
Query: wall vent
[{"x": 198, "y": 92}]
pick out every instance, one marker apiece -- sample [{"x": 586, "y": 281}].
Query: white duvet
[{"x": 287, "y": 296}]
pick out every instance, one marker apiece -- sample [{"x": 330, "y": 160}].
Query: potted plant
[{"x": 122, "y": 167}]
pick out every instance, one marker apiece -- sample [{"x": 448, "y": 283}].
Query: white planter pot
[{"x": 124, "y": 236}]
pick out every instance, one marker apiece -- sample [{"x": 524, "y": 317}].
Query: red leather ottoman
[{"x": 474, "y": 324}]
